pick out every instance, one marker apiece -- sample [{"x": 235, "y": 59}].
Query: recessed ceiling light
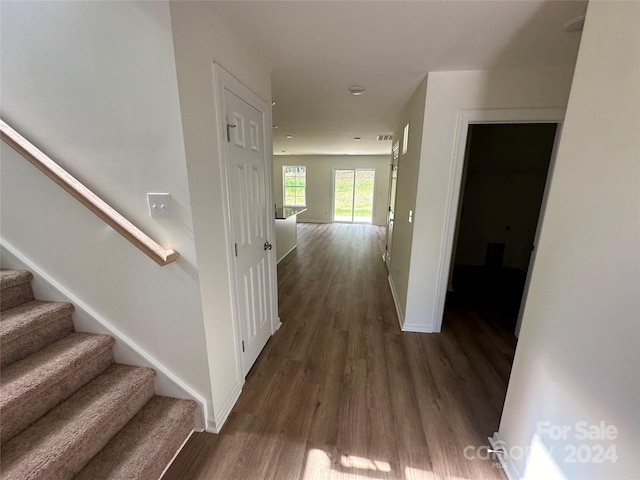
[
  {"x": 355, "y": 90},
  {"x": 574, "y": 25},
  {"x": 273, "y": 103},
  {"x": 357, "y": 139},
  {"x": 288, "y": 136}
]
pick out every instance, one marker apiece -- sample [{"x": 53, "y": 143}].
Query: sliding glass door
[{"x": 353, "y": 195}]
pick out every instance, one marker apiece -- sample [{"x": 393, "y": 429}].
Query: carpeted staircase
[{"x": 66, "y": 409}]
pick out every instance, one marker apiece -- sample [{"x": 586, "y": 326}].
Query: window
[{"x": 295, "y": 186}]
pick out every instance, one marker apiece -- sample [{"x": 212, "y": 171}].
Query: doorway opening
[
  {"x": 503, "y": 187},
  {"x": 353, "y": 195}
]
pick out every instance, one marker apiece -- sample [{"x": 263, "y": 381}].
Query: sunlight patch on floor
[
  {"x": 351, "y": 467},
  {"x": 411, "y": 473},
  {"x": 318, "y": 465},
  {"x": 351, "y": 461}
]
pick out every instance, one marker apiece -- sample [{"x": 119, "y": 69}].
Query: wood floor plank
[
  {"x": 404, "y": 404},
  {"x": 324, "y": 429},
  {"x": 339, "y": 392}
]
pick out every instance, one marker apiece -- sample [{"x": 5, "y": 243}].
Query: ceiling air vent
[{"x": 384, "y": 138}]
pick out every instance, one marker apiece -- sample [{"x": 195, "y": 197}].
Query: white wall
[
  {"x": 320, "y": 182},
  {"x": 578, "y": 354},
  {"x": 201, "y": 38},
  {"x": 406, "y": 192},
  {"x": 93, "y": 84},
  {"x": 449, "y": 93}
]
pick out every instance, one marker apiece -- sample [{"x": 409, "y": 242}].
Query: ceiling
[{"x": 317, "y": 49}]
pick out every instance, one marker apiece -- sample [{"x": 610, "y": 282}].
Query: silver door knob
[{"x": 267, "y": 246}]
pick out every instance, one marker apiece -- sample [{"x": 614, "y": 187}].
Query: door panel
[
  {"x": 363, "y": 196},
  {"x": 249, "y": 214},
  {"x": 343, "y": 195},
  {"x": 353, "y": 195}
]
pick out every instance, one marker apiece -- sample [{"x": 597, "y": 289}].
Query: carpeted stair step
[
  {"x": 146, "y": 445},
  {"x": 27, "y": 328},
  {"x": 15, "y": 288},
  {"x": 32, "y": 386},
  {"x": 62, "y": 442}
]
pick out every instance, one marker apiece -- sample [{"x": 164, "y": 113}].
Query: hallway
[{"x": 339, "y": 392}]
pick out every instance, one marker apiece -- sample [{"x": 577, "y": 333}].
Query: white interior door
[
  {"x": 393, "y": 180},
  {"x": 249, "y": 202}
]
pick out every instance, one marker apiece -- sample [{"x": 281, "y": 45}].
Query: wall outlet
[
  {"x": 410, "y": 216},
  {"x": 159, "y": 205}
]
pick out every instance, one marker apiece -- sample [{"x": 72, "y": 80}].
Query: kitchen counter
[
  {"x": 282, "y": 213},
  {"x": 286, "y": 230}
]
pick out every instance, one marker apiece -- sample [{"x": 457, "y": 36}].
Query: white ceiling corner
[{"x": 317, "y": 49}]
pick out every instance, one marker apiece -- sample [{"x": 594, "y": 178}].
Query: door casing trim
[{"x": 484, "y": 116}]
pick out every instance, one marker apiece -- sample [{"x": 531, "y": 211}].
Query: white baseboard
[
  {"x": 417, "y": 328},
  {"x": 396, "y": 303},
  {"x": 85, "y": 319},
  {"x": 508, "y": 467},
  {"x": 312, "y": 220},
  {"x": 223, "y": 413},
  {"x": 284, "y": 256},
  {"x": 315, "y": 220},
  {"x": 407, "y": 327}
]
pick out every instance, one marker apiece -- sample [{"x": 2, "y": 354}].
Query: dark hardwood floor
[{"x": 339, "y": 392}]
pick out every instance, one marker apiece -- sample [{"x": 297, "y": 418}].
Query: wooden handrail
[{"x": 85, "y": 196}]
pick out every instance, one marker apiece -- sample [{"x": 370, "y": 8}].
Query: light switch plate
[
  {"x": 159, "y": 205},
  {"x": 410, "y": 216}
]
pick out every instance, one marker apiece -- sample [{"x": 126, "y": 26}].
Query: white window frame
[
  {"x": 333, "y": 193},
  {"x": 284, "y": 186}
]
